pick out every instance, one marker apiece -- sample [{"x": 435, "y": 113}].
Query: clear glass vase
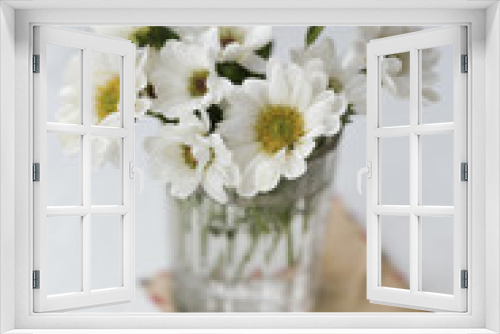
[{"x": 252, "y": 255}]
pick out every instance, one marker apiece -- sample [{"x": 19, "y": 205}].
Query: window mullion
[
  {"x": 109, "y": 132},
  {"x": 76, "y": 129},
  {"x": 73, "y": 129},
  {"x": 434, "y": 129},
  {"x": 414, "y": 171},
  {"x": 422, "y": 128},
  {"x": 86, "y": 171}
]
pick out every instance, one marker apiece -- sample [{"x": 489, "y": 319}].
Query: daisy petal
[
  {"x": 267, "y": 174},
  {"x": 294, "y": 166},
  {"x": 214, "y": 186},
  {"x": 278, "y": 83}
]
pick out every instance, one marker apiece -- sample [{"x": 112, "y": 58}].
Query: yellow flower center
[
  {"x": 197, "y": 83},
  {"x": 335, "y": 84},
  {"x": 278, "y": 127},
  {"x": 188, "y": 156},
  {"x": 228, "y": 35},
  {"x": 108, "y": 97}
]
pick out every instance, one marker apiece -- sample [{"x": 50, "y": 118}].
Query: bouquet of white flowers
[{"x": 235, "y": 117}]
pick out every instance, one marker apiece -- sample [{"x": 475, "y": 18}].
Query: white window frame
[
  {"x": 414, "y": 43},
  {"x": 125, "y": 50},
  {"x": 483, "y": 315}
]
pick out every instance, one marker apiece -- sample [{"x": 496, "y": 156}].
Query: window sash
[
  {"x": 87, "y": 43},
  {"x": 413, "y": 43}
]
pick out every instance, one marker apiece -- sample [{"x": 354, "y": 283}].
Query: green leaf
[
  {"x": 346, "y": 117},
  {"x": 313, "y": 33},
  {"x": 154, "y": 36},
  {"x": 216, "y": 115},
  {"x": 235, "y": 72},
  {"x": 265, "y": 51},
  {"x": 159, "y": 116},
  {"x": 148, "y": 91}
]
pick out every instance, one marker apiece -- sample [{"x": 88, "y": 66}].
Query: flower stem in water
[
  {"x": 275, "y": 242},
  {"x": 289, "y": 244},
  {"x": 246, "y": 258}
]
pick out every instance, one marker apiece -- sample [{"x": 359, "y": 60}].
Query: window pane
[
  {"x": 64, "y": 76},
  {"x": 106, "y": 252},
  {"x": 437, "y": 84},
  {"x": 106, "y": 89},
  {"x": 64, "y": 255},
  {"x": 63, "y": 169},
  {"x": 437, "y": 169},
  {"x": 106, "y": 170},
  {"x": 394, "y": 93},
  {"x": 394, "y": 165},
  {"x": 437, "y": 254},
  {"x": 395, "y": 242}
]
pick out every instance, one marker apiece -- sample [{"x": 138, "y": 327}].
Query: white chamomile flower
[
  {"x": 395, "y": 74},
  {"x": 105, "y": 78},
  {"x": 187, "y": 157},
  {"x": 396, "y": 68},
  {"x": 357, "y": 52},
  {"x": 146, "y": 55},
  {"x": 344, "y": 76},
  {"x": 185, "y": 78},
  {"x": 271, "y": 125},
  {"x": 239, "y": 44},
  {"x": 105, "y": 83}
]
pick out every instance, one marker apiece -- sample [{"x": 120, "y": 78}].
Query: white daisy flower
[
  {"x": 396, "y": 68},
  {"x": 187, "y": 157},
  {"x": 238, "y": 44},
  {"x": 185, "y": 78},
  {"x": 357, "y": 52},
  {"x": 105, "y": 76},
  {"x": 343, "y": 75},
  {"x": 105, "y": 83},
  {"x": 271, "y": 125},
  {"x": 395, "y": 75},
  {"x": 146, "y": 55}
]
